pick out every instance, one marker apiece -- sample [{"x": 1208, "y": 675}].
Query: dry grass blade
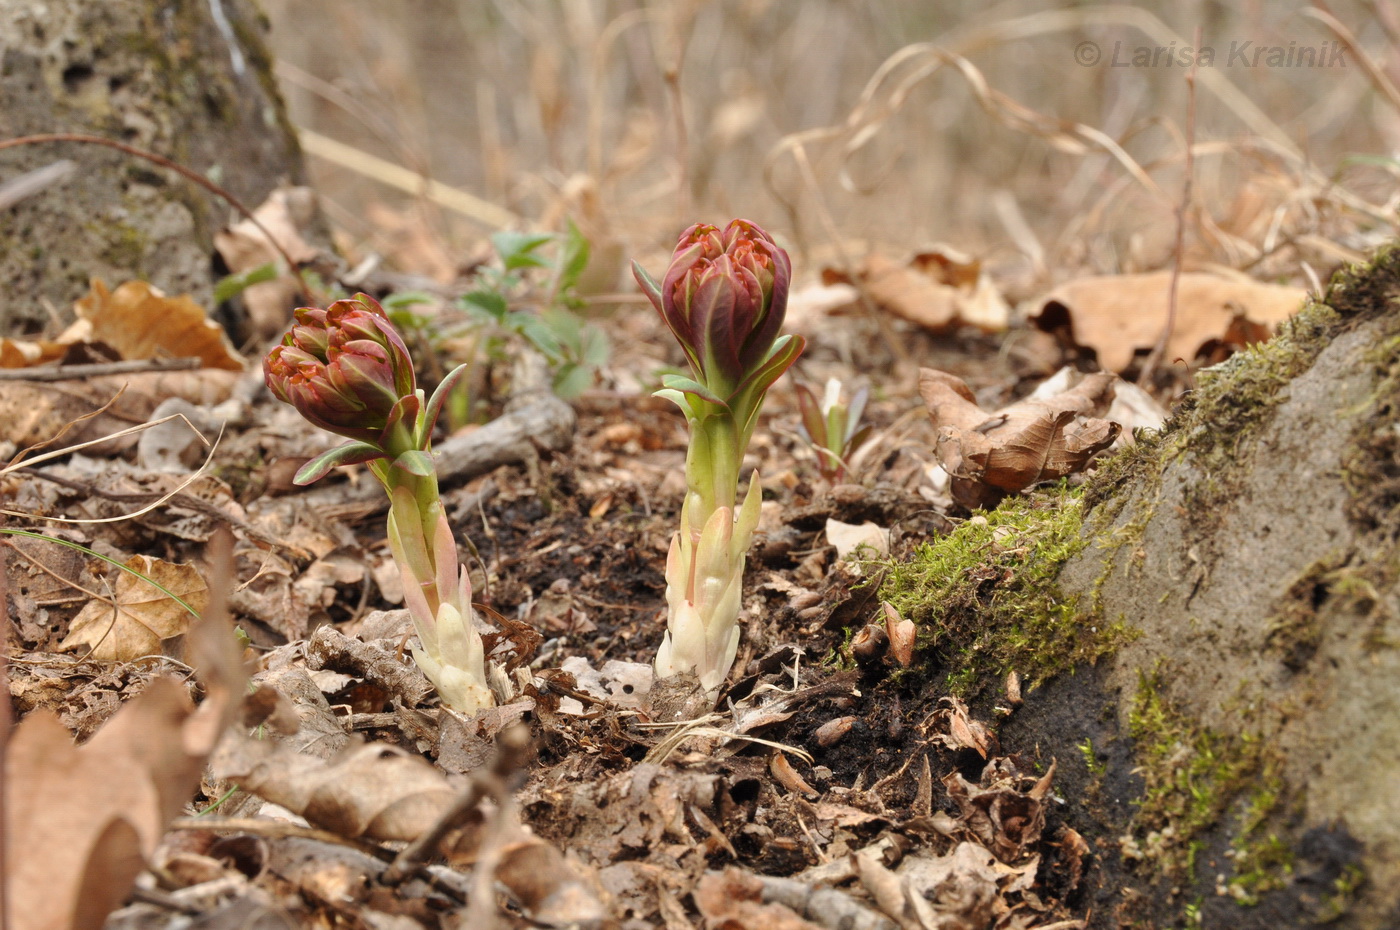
[{"x": 191, "y": 479}]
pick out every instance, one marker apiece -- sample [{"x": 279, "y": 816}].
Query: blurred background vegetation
[{"x": 845, "y": 127}]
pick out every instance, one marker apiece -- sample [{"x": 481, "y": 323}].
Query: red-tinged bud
[
  {"x": 343, "y": 368},
  {"x": 724, "y": 296}
]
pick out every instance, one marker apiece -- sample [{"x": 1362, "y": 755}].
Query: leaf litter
[{"x": 821, "y": 794}]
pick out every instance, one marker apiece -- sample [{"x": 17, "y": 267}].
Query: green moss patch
[
  {"x": 1193, "y": 778},
  {"x": 986, "y": 600}
]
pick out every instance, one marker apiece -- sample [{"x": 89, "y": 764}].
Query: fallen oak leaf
[
  {"x": 991, "y": 455},
  {"x": 378, "y": 792},
  {"x": 141, "y": 615}
]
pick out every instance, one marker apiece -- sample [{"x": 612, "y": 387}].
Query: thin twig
[
  {"x": 176, "y": 499},
  {"x": 279, "y": 829},
  {"x": 1159, "y": 351},
  {"x": 1378, "y": 78},
  {"x": 98, "y": 369},
  {"x": 186, "y": 173}
]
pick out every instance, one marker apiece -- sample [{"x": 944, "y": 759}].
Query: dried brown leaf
[
  {"x": 286, "y": 212},
  {"x": 141, "y": 322},
  {"x": 1120, "y": 315},
  {"x": 142, "y": 616},
  {"x": 82, "y": 820},
  {"x": 939, "y": 289},
  {"x": 370, "y": 790},
  {"x": 990, "y": 455},
  {"x": 733, "y": 899}
]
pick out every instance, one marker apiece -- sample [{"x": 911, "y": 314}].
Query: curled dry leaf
[
  {"x": 958, "y": 891},
  {"x": 140, "y": 616},
  {"x": 373, "y": 791},
  {"x": 866, "y": 539},
  {"x": 82, "y": 820},
  {"x": 959, "y": 729},
  {"x": 139, "y": 321},
  {"x": 34, "y": 412},
  {"x": 789, "y": 777},
  {"x": 991, "y": 455},
  {"x": 1119, "y": 316},
  {"x": 22, "y": 353}
]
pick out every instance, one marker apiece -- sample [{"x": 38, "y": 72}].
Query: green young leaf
[
  {"x": 540, "y": 335},
  {"x": 517, "y": 250},
  {"x": 573, "y": 261},
  {"x": 571, "y": 380},
  {"x": 235, "y": 284},
  {"x": 406, "y": 299},
  {"x": 492, "y": 303},
  {"x": 595, "y": 348},
  {"x": 352, "y": 453}
]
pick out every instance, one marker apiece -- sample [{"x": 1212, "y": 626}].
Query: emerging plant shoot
[
  {"x": 723, "y": 297},
  {"x": 347, "y": 370}
]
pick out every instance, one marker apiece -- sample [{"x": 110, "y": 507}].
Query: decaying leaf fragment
[
  {"x": 1119, "y": 316},
  {"x": 82, "y": 820},
  {"x": 992, "y": 455},
  {"x": 287, "y": 213},
  {"x": 379, "y": 792},
  {"x": 141, "y": 616},
  {"x": 1006, "y": 812},
  {"x": 938, "y": 289}
]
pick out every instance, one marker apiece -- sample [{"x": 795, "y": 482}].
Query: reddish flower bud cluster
[
  {"x": 724, "y": 296},
  {"x": 344, "y": 368}
]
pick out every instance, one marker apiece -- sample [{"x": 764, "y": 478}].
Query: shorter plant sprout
[
  {"x": 723, "y": 296},
  {"x": 347, "y": 370},
  {"x": 832, "y": 428}
]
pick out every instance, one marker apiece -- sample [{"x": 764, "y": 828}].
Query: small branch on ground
[{"x": 98, "y": 369}]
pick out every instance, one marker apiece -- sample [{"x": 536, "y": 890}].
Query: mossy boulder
[
  {"x": 187, "y": 79},
  {"x": 1220, "y": 641}
]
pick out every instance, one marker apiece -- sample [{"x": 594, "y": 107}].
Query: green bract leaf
[
  {"x": 648, "y": 283},
  {"x": 680, "y": 399},
  {"x": 785, "y": 352},
  {"x": 431, "y": 413},
  {"x": 352, "y": 453},
  {"x": 415, "y": 462},
  {"x": 691, "y": 386}
]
